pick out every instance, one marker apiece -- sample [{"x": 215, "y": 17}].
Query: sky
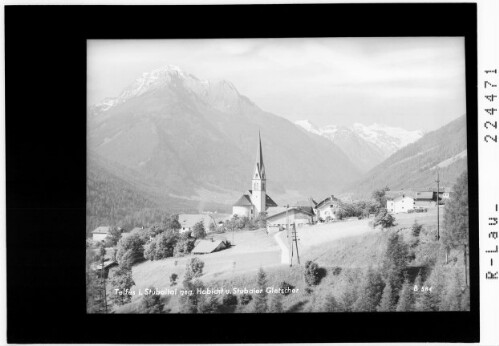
[{"x": 413, "y": 83}]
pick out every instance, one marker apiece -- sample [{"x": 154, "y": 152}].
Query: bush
[
  {"x": 384, "y": 219},
  {"x": 246, "y": 298},
  {"x": 173, "y": 279},
  {"x": 312, "y": 273},
  {"x": 286, "y": 286},
  {"x": 194, "y": 269},
  {"x": 260, "y": 303}
]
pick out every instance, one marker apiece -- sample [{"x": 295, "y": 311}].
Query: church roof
[{"x": 245, "y": 200}]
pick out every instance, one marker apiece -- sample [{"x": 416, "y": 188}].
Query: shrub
[
  {"x": 384, "y": 219},
  {"x": 194, "y": 269},
  {"x": 286, "y": 286},
  {"x": 122, "y": 281},
  {"x": 246, "y": 298},
  {"x": 312, "y": 273},
  {"x": 173, "y": 279}
]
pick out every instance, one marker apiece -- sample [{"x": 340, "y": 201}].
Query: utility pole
[
  {"x": 295, "y": 241},
  {"x": 288, "y": 233},
  {"x": 438, "y": 205}
]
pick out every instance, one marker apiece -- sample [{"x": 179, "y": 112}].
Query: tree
[
  {"x": 379, "y": 197},
  {"x": 151, "y": 303},
  {"x": 246, "y": 298},
  {"x": 312, "y": 273},
  {"x": 406, "y": 300},
  {"x": 416, "y": 229},
  {"x": 276, "y": 304},
  {"x": 121, "y": 283},
  {"x": 455, "y": 233},
  {"x": 212, "y": 227},
  {"x": 189, "y": 303},
  {"x": 130, "y": 249},
  {"x": 184, "y": 245},
  {"x": 386, "y": 303},
  {"x": 113, "y": 236},
  {"x": 394, "y": 264},
  {"x": 229, "y": 303},
  {"x": 260, "y": 303},
  {"x": 194, "y": 269},
  {"x": 371, "y": 292},
  {"x": 198, "y": 230},
  {"x": 384, "y": 219},
  {"x": 161, "y": 246}
]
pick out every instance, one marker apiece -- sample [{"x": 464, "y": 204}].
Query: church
[{"x": 255, "y": 201}]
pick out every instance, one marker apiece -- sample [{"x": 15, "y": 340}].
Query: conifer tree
[
  {"x": 406, "y": 300},
  {"x": 455, "y": 233},
  {"x": 386, "y": 303},
  {"x": 260, "y": 301},
  {"x": 276, "y": 303},
  {"x": 370, "y": 292}
]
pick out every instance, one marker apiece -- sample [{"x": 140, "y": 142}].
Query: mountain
[
  {"x": 415, "y": 166},
  {"x": 195, "y": 139},
  {"x": 366, "y": 146}
]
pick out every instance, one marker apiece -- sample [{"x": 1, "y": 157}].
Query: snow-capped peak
[
  {"x": 220, "y": 94},
  {"x": 388, "y": 139}
]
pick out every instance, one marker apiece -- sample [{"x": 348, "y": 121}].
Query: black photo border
[{"x": 45, "y": 75}]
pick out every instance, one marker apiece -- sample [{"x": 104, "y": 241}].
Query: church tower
[{"x": 258, "y": 193}]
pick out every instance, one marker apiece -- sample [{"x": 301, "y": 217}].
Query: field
[{"x": 345, "y": 250}]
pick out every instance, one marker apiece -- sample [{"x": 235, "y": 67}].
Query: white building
[
  {"x": 255, "y": 201},
  {"x": 278, "y": 218},
  {"x": 326, "y": 209},
  {"x": 400, "y": 204},
  {"x": 100, "y": 233}
]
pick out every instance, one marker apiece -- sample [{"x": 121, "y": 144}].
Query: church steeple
[
  {"x": 258, "y": 194},
  {"x": 260, "y": 168}
]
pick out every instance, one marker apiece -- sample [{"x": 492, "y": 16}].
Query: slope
[{"x": 416, "y": 165}]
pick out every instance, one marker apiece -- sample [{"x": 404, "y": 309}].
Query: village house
[
  {"x": 278, "y": 217},
  {"x": 327, "y": 208},
  {"x": 255, "y": 201},
  {"x": 100, "y": 233},
  {"x": 399, "y": 201}
]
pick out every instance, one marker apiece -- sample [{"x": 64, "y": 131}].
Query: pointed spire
[{"x": 260, "y": 168}]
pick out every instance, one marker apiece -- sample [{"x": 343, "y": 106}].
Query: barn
[{"x": 206, "y": 246}]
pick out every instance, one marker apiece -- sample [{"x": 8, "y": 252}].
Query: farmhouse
[
  {"x": 255, "y": 201},
  {"x": 399, "y": 201},
  {"x": 327, "y": 208},
  {"x": 100, "y": 233},
  {"x": 277, "y": 218},
  {"x": 209, "y": 246}
]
